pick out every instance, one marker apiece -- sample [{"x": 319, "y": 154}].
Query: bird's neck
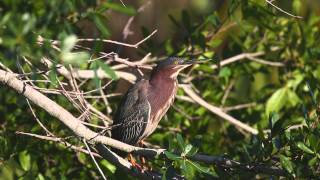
[
  {"x": 162, "y": 89},
  {"x": 163, "y": 78}
]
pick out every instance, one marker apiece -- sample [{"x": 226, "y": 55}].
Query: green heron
[{"x": 147, "y": 101}]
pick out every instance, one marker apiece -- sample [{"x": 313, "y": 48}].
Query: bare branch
[
  {"x": 126, "y": 30},
  {"x": 89, "y": 74},
  {"x": 281, "y": 10},
  {"x": 59, "y": 140},
  {"x": 217, "y": 110},
  {"x": 227, "y": 92},
  {"x": 261, "y": 61},
  {"x": 136, "y": 45},
  {"x": 38, "y": 120},
  {"x": 249, "y": 56},
  {"x": 94, "y": 160},
  {"x": 239, "y": 106}
]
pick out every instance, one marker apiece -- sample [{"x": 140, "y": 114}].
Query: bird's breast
[{"x": 160, "y": 99}]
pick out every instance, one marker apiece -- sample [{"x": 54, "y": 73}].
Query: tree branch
[
  {"x": 10, "y": 80},
  {"x": 217, "y": 110}
]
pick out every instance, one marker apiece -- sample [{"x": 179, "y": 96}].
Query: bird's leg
[
  {"x": 142, "y": 159},
  {"x": 134, "y": 164}
]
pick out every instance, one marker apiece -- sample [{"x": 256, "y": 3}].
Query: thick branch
[{"x": 63, "y": 115}]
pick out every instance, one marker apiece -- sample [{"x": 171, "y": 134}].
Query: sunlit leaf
[
  {"x": 277, "y": 101},
  {"x": 192, "y": 151},
  {"x": 112, "y": 168},
  {"x": 304, "y": 148},
  {"x": 100, "y": 22},
  {"x": 286, "y": 163},
  {"x": 68, "y": 43},
  {"x": 187, "y": 149},
  {"x": 25, "y": 160},
  {"x": 76, "y": 58},
  {"x": 202, "y": 169},
  {"x": 120, "y": 8},
  {"x": 293, "y": 99},
  {"x": 172, "y": 156},
  {"x": 180, "y": 142},
  {"x": 106, "y": 68},
  {"x": 187, "y": 169},
  {"x": 40, "y": 177},
  {"x": 313, "y": 161}
]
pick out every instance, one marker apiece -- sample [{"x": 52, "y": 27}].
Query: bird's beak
[
  {"x": 194, "y": 61},
  {"x": 190, "y": 62}
]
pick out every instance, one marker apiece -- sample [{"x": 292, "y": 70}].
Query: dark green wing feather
[{"x": 132, "y": 114}]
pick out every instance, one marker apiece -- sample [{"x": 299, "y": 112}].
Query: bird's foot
[
  {"x": 144, "y": 164},
  {"x": 135, "y": 164}
]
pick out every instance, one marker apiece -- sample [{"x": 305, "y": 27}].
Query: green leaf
[
  {"x": 193, "y": 151},
  {"x": 94, "y": 66},
  {"x": 186, "y": 150},
  {"x": 286, "y": 163},
  {"x": 225, "y": 72},
  {"x": 293, "y": 99},
  {"x": 109, "y": 166},
  {"x": 277, "y": 101},
  {"x": 187, "y": 169},
  {"x": 202, "y": 169},
  {"x": 106, "y": 68},
  {"x": 68, "y": 43},
  {"x": 76, "y": 59},
  {"x": 172, "y": 156},
  {"x": 304, "y": 148},
  {"x": 40, "y": 177},
  {"x": 99, "y": 22},
  {"x": 120, "y": 8},
  {"x": 180, "y": 142},
  {"x": 25, "y": 160},
  {"x": 313, "y": 161},
  {"x": 53, "y": 76},
  {"x": 278, "y": 125},
  {"x": 214, "y": 43}
]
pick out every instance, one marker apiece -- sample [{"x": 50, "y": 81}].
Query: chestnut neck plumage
[{"x": 162, "y": 90}]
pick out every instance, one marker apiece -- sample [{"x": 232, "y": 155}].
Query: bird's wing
[{"x": 132, "y": 114}]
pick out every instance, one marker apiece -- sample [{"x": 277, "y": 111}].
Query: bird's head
[{"x": 171, "y": 67}]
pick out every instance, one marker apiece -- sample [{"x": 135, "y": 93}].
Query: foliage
[{"x": 286, "y": 110}]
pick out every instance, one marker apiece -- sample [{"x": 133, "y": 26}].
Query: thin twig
[
  {"x": 237, "y": 107},
  {"x": 136, "y": 45},
  {"x": 227, "y": 92},
  {"x": 247, "y": 56},
  {"x": 281, "y": 10},
  {"x": 217, "y": 110},
  {"x": 122, "y": 3},
  {"x": 126, "y": 30},
  {"x": 38, "y": 120},
  {"x": 261, "y": 61},
  {"x": 5, "y": 67},
  {"x": 94, "y": 160},
  {"x": 59, "y": 140}
]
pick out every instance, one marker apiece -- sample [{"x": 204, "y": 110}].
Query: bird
[{"x": 147, "y": 101}]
